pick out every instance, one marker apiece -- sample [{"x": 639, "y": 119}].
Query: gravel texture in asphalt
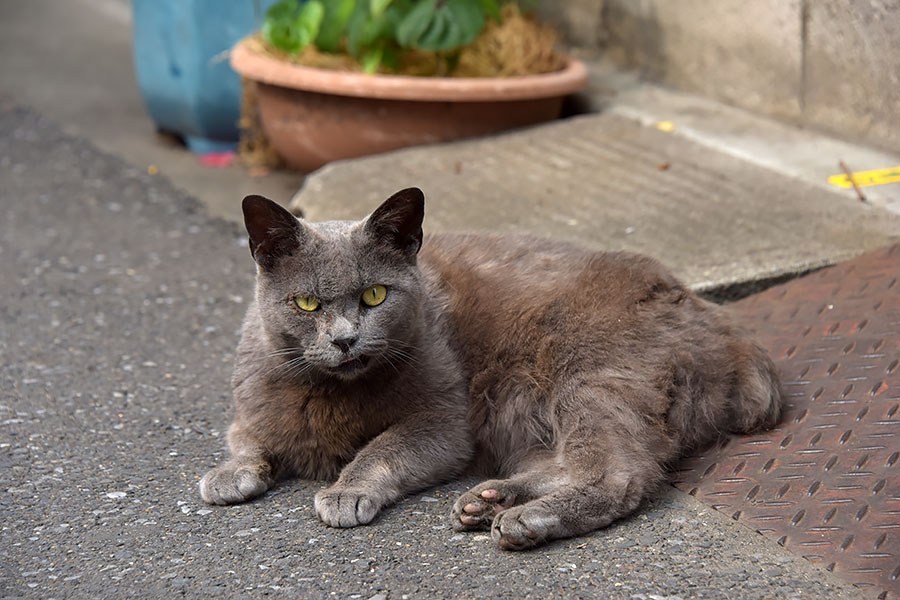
[{"x": 121, "y": 306}]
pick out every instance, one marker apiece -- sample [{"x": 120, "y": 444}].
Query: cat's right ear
[{"x": 273, "y": 231}]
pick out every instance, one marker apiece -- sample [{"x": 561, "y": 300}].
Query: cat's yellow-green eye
[
  {"x": 374, "y": 295},
  {"x": 307, "y": 303}
]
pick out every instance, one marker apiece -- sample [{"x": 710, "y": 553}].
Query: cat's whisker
[
  {"x": 284, "y": 351},
  {"x": 401, "y": 350},
  {"x": 290, "y": 361},
  {"x": 294, "y": 373},
  {"x": 391, "y": 357},
  {"x": 397, "y": 343},
  {"x": 290, "y": 365},
  {"x": 407, "y": 360},
  {"x": 388, "y": 360},
  {"x": 299, "y": 369}
]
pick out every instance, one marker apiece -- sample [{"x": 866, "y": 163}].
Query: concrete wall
[
  {"x": 580, "y": 21},
  {"x": 852, "y": 75},
  {"x": 832, "y": 65},
  {"x": 744, "y": 53}
]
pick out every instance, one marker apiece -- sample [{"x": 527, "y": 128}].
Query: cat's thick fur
[{"x": 573, "y": 377}]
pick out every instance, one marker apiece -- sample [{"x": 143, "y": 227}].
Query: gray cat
[{"x": 573, "y": 377}]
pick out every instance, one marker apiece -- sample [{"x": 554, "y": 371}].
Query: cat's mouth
[{"x": 351, "y": 365}]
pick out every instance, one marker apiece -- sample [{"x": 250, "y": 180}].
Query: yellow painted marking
[
  {"x": 666, "y": 126},
  {"x": 867, "y": 178}
]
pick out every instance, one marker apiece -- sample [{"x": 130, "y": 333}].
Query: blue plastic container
[{"x": 182, "y": 67}]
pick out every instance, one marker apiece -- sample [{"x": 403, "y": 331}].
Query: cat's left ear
[
  {"x": 399, "y": 220},
  {"x": 273, "y": 231}
]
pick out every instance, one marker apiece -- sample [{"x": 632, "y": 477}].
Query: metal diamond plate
[{"x": 825, "y": 484}]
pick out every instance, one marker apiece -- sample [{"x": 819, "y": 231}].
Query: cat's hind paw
[
  {"x": 346, "y": 507},
  {"x": 234, "y": 483},
  {"x": 477, "y": 508},
  {"x": 523, "y": 527}
]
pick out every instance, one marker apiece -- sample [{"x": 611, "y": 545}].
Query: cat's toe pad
[
  {"x": 472, "y": 513},
  {"x": 346, "y": 507},
  {"x": 476, "y": 509},
  {"x": 523, "y": 527}
]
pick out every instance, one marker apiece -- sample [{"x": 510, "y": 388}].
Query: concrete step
[
  {"x": 793, "y": 151},
  {"x": 612, "y": 181}
]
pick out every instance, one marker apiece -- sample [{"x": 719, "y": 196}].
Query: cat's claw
[{"x": 346, "y": 507}]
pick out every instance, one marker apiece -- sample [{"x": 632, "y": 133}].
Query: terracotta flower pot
[{"x": 314, "y": 116}]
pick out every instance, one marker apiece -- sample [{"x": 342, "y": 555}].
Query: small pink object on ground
[{"x": 216, "y": 159}]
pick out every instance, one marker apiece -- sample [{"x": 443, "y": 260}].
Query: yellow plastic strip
[
  {"x": 667, "y": 126},
  {"x": 867, "y": 178}
]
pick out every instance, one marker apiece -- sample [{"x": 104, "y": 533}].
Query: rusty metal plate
[{"x": 825, "y": 484}]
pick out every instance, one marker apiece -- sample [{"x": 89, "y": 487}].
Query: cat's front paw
[
  {"x": 346, "y": 507},
  {"x": 233, "y": 483}
]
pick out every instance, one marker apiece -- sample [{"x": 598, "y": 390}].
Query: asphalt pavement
[{"x": 122, "y": 301}]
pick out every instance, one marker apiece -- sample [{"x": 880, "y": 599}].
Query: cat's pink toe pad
[
  {"x": 473, "y": 508},
  {"x": 490, "y": 494}
]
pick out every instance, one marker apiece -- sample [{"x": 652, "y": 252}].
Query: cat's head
[{"x": 339, "y": 298}]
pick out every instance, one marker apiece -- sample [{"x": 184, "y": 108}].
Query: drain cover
[{"x": 825, "y": 484}]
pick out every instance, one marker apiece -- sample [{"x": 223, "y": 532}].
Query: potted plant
[{"x": 343, "y": 78}]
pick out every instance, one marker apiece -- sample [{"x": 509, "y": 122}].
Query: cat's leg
[
  {"x": 408, "y": 456},
  {"x": 606, "y": 475},
  {"x": 537, "y": 475},
  {"x": 246, "y": 475}
]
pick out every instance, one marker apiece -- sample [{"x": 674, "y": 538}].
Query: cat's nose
[{"x": 344, "y": 343}]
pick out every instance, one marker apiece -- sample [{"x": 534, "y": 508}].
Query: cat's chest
[{"x": 323, "y": 432}]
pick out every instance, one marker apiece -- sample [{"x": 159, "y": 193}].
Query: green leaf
[
  {"x": 491, "y": 9},
  {"x": 282, "y": 34},
  {"x": 355, "y": 26},
  {"x": 280, "y": 11},
  {"x": 453, "y": 35},
  {"x": 374, "y": 29},
  {"x": 371, "y": 60},
  {"x": 468, "y": 18},
  {"x": 309, "y": 20},
  {"x": 389, "y": 57},
  {"x": 334, "y": 24},
  {"x": 435, "y": 32},
  {"x": 414, "y": 24},
  {"x": 371, "y": 27},
  {"x": 377, "y": 7},
  {"x": 291, "y": 27},
  {"x": 365, "y": 30},
  {"x": 278, "y": 28},
  {"x": 455, "y": 24}
]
